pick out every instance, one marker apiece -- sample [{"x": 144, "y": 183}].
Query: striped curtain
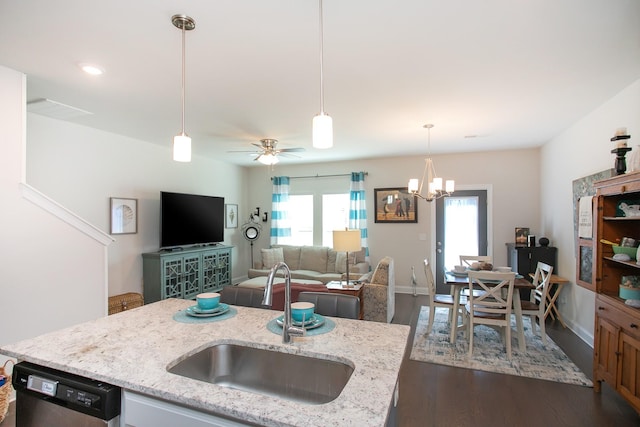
[
  {"x": 358, "y": 209},
  {"x": 280, "y": 224}
]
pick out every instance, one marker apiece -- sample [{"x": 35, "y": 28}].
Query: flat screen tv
[{"x": 190, "y": 219}]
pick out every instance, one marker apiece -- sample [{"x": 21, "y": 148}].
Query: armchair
[{"x": 379, "y": 295}]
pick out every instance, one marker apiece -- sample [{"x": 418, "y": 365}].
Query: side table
[{"x": 354, "y": 290}]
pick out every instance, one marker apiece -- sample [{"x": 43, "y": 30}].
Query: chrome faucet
[{"x": 288, "y": 330}]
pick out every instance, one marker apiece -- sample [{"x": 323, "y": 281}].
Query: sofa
[{"x": 311, "y": 263}]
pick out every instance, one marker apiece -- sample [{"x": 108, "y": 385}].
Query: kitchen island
[{"x": 133, "y": 350}]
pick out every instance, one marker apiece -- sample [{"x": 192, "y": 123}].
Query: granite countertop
[{"x": 133, "y": 349}]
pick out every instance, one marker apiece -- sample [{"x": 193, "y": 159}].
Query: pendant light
[
  {"x": 182, "y": 142},
  {"x": 322, "y": 123},
  {"x": 434, "y": 183}
]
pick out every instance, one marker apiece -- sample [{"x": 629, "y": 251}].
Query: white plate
[{"x": 459, "y": 273}]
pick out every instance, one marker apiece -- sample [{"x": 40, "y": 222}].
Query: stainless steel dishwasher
[{"x": 52, "y": 398}]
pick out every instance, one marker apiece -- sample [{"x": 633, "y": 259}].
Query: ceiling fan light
[
  {"x": 322, "y": 131},
  {"x": 182, "y": 148},
  {"x": 268, "y": 159}
]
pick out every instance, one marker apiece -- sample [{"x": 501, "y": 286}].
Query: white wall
[
  {"x": 583, "y": 149},
  {"x": 53, "y": 275},
  {"x": 82, "y": 168},
  {"x": 513, "y": 177}
]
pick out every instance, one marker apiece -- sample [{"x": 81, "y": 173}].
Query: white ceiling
[{"x": 514, "y": 73}]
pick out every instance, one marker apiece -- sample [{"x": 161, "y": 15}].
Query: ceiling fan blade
[
  {"x": 290, "y": 155},
  {"x": 291, "y": 150}
]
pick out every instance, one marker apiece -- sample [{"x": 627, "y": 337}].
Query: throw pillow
[{"x": 271, "y": 257}]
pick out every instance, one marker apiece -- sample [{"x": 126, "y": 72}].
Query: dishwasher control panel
[{"x": 75, "y": 392}]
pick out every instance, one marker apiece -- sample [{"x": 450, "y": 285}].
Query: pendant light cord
[
  {"x": 321, "y": 60},
  {"x": 183, "y": 74}
]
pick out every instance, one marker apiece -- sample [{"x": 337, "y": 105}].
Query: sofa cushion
[
  {"x": 341, "y": 261},
  {"x": 271, "y": 257},
  {"x": 331, "y": 260},
  {"x": 291, "y": 255},
  {"x": 313, "y": 258},
  {"x": 360, "y": 255}
]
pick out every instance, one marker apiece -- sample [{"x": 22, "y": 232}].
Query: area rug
[{"x": 489, "y": 353}]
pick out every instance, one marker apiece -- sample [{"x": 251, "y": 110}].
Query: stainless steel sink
[{"x": 290, "y": 376}]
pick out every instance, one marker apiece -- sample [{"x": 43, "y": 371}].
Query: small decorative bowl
[
  {"x": 301, "y": 309},
  {"x": 208, "y": 300},
  {"x": 503, "y": 269},
  {"x": 627, "y": 292},
  {"x": 625, "y": 250}
]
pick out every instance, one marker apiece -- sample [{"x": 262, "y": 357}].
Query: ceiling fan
[{"x": 268, "y": 153}]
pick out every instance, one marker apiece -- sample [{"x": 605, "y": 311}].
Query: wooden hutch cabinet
[{"x": 616, "y": 358}]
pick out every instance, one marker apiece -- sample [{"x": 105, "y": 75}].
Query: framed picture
[
  {"x": 231, "y": 216},
  {"x": 124, "y": 216},
  {"x": 522, "y": 236},
  {"x": 395, "y": 205}
]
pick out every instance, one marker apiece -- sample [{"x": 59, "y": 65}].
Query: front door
[{"x": 461, "y": 229}]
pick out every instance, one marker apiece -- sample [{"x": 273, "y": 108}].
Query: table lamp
[{"x": 346, "y": 241}]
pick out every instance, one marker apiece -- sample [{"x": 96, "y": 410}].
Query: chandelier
[{"x": 434, "y": 183}]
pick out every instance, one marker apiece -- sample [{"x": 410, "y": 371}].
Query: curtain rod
[{"x": 321, "y": 176}]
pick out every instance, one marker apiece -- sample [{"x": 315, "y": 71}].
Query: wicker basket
[
  {"x": 118, "y": 303},
  {"x": 5, "y": 391}
]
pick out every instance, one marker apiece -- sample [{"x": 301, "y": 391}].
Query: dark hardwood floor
[
  {"x": 442, "y": 396},
  {"x": 437, "y": 395}
]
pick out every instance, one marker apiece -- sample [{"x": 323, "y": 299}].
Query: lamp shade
[
  {"x": 346, "y": 240},
  {"x": 322, "y": 131},
  {"x": 181, "y": 148}
]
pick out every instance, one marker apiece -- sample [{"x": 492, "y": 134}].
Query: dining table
[{"x": 459, "y": 281}]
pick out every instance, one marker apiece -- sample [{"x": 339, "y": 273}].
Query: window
[
  {"x": 313, "y": 223},
  {"x": 301, "y": 217},
  {"x": 335, "y": 215}
]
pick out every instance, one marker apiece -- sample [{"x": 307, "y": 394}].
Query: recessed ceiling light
[{"x": 92, "y": 69}]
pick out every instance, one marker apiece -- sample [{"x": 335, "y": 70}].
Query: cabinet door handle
[
  {"x": 601, "y": 308},
  {"x": 634, "y": 326}
]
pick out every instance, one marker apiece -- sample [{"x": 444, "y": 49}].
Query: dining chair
[
  {"x": 238, "y": 295},
  {"x": 493, "y": 306},
  {"x": 536, "y": 306},
  {"x": 333, "y": 304},
  {"x": 440, "y": 300},
  {"x": 467, "y": 260}
]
